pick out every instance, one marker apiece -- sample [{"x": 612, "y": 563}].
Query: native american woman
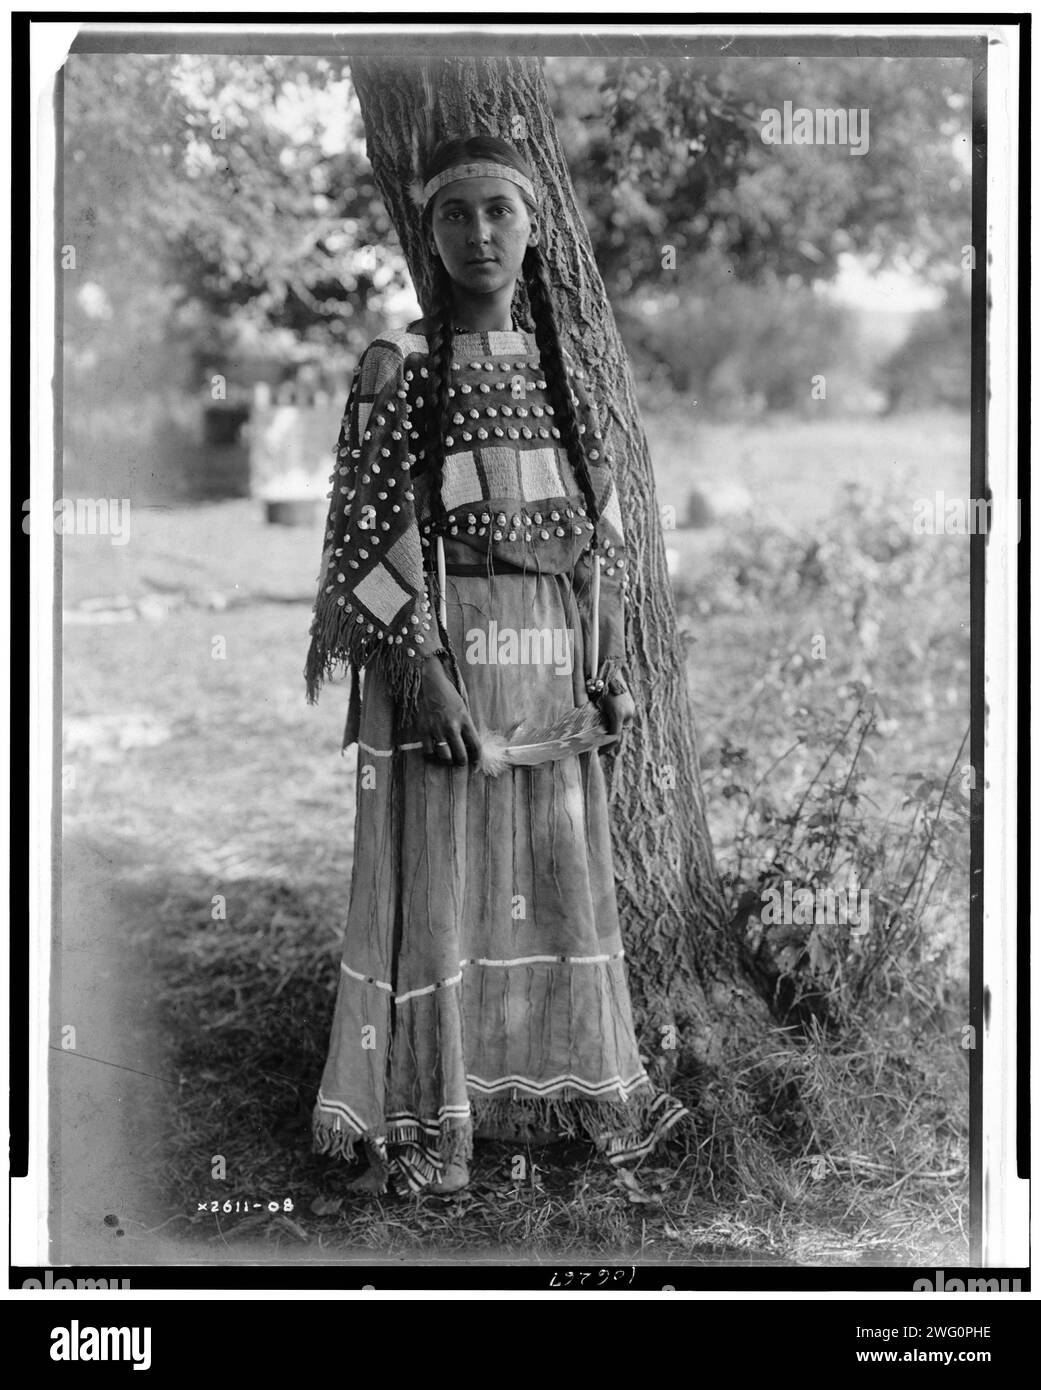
[{"x": 473, "y": 584}]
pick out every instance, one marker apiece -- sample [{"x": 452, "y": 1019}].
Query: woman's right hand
[{"x": 443, "y": 720}]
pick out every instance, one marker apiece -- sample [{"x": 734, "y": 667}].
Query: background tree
[
  {"x": 683, "y": 964},
  {"x": 671, "y": 150}
]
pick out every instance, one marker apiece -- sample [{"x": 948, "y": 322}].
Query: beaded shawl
[{"x": 508, "y": 489}]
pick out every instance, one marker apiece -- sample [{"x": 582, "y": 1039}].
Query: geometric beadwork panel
[
  {"x": 406, "y": 555},
  {"x": 540, "y": 476},
  {"x": 381, "y": 594},
  {"x": 461, "y": 482},
  {"x": 612, "y": 514},
  {"x": 500, "y": 468}
]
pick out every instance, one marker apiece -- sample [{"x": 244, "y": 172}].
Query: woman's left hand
[{"x": 618, "y": 711}]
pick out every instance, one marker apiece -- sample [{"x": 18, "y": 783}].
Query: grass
[
  {"x": 246, "y": 1005},
  {"x": 200, "y": 773}
]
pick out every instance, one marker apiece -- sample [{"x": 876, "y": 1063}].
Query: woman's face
[{"x": 481, "y": 229}]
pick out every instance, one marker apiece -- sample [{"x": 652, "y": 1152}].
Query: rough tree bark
[{"x": 684, "y": 967}]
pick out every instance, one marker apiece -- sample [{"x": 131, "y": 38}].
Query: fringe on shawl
[{"x": 339, "y": 644}]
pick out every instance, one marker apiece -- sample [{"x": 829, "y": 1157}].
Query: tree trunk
[{"x": 684, "y": 966}]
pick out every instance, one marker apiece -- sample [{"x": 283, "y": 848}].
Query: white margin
[
  {"x": 48, "y": 46},
  {"x": 1005, "y": 1213}
]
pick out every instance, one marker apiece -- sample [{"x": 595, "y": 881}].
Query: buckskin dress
[{"x": 482, "y": 986}]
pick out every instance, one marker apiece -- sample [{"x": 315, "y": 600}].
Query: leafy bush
[
  {"x": 833, "y": 847},
  {"x": 819, "y": 782}
]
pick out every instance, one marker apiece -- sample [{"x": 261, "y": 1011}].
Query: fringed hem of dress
[{"x": 414, "y": 1152}]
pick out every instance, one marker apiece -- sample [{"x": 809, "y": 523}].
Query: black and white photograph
[{"x": 527, "y": 651}]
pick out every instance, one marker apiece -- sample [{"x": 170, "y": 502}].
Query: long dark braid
[
  {"x": 437, "y": 408},
  {"x": 554, "y": 368}
]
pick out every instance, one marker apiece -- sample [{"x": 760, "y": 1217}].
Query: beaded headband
[{"x": 482, "y": 170}]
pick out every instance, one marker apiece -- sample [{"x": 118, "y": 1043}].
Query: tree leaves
[{"x": 686, "y": 136}]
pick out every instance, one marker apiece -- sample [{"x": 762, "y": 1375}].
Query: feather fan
[{"x": 578, "y": 731}]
